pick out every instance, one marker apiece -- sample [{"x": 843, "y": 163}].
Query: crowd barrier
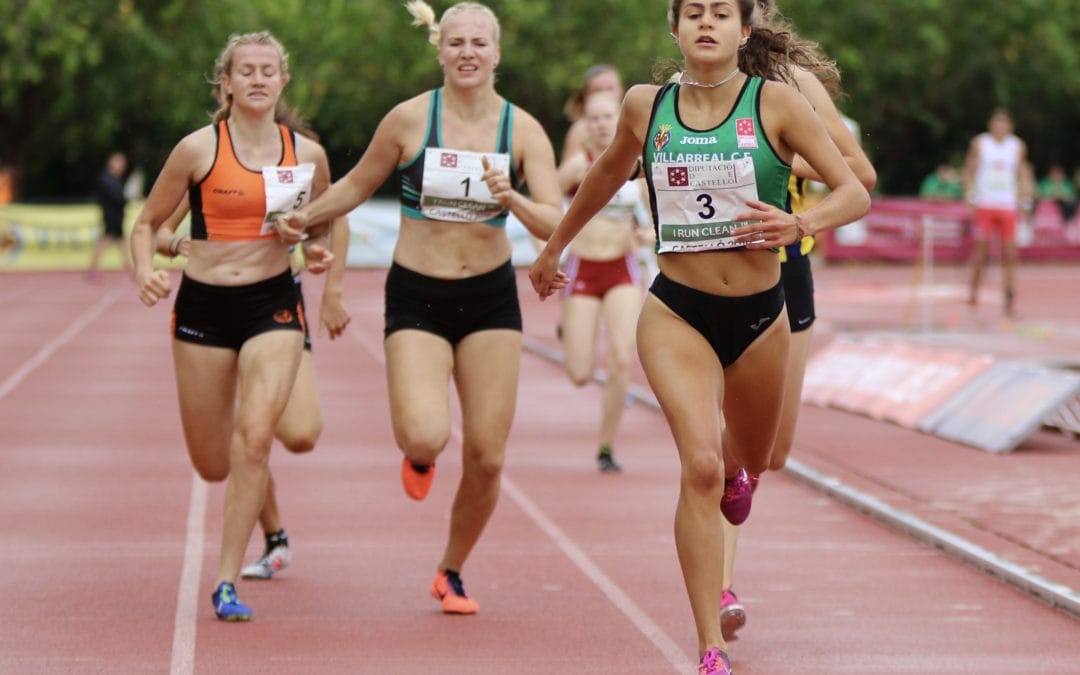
[
  {"x": 974, "y": 399},
  {"x": 55, "y": 236},
  {"x": 896, "y": 229},
  {"x": 904, "y": 229},
  {"x": 60, "y": 237}
]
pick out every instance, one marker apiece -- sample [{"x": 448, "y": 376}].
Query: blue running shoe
[{"x": 227, "y": 606}]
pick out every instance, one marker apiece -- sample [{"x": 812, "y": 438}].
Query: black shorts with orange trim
[
  {"x": 729, "y": 323},
  {"x": 452, "y": 308},
  {"x": 229, "y": 316},
  {"x": 303, "y": 312}
]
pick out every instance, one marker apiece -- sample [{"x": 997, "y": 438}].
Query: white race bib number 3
[
  {"x": 287, "y": 189},
  {"x": 697, "y": 203},
  {"x": 453, "y": 188}
]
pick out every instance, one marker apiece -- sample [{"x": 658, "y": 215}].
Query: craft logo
[
  {"x": 744, "y": 133},
  {"x": 284, "y": 176},
  {"x": 283, "y": 316},
  {"x": 448, "y": 160},
  {"x": 662, "y": 137},
  {"x": 678, "y": 176}
]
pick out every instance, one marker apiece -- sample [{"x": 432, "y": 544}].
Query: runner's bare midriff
[
  {"x": 446, "y": 250},
  {"x": 603, "y": 239},
  {"x": 724, "y": 272},
  {"x": 236, "y": 263}
]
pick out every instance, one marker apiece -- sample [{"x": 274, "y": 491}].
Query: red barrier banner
[
  {"x": 969, "y": 398},
  {"x": 887, "y": 379},
  {"x": 1066, "y": 418},
  {"x": 904, "y": 229},
  {"x": 1003, "y": 406}
]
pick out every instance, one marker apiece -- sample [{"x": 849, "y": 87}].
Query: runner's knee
[
  {"x": 702, "y": 471},
  {"x": 420, "y": 444},
  {"x": 483, "y": 464},
  {"x": 580, "y": 375},
  {"x": 255, "y": 439},
  {"x": 299, "y": 439},
  {"x": 211, "y": 472}
]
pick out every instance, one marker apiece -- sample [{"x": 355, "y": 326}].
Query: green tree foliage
[
  {"x": 922, "y": 76},
  {"x": 81, "y": 77}
]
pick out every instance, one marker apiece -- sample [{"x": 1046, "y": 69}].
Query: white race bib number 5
[{"x": 287, "y": 189}]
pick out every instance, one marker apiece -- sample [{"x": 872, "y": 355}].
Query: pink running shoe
[
  {"x": 738, "y": 494},
  {"x": 714, "y": 662},
  {"x": 732, "y": 615},
  {"x": 753, "y": 478}
]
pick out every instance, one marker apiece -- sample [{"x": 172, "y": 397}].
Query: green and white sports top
[{"x": 699, "y": 179}]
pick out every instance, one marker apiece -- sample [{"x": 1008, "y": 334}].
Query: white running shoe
[{"x": 274, "y": 560}]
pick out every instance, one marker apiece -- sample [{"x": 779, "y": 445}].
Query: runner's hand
[
  {"x": 767, "y": 226},
  {"x": 153, "y": 286},
  {"x": 498, "y": 184},
  {"x": 545, "y": 275},
  {"x": 317, "y": 258},
  {"x": 334, "y": 317},
  {"x": 290, "y": 227}
]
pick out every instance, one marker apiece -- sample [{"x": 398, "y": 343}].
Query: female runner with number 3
[{"x": 713, "y": 336}]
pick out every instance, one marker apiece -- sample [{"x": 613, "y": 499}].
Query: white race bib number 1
[
  {"x": 287, "y": 189},
  {"x": 453, "y": 188},
  {"x": 697, "y": 203}
]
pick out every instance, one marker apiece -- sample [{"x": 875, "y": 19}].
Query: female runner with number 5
[{"x": 237, "y": 323}]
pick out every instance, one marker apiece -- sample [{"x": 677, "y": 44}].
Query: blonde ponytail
[{"x": 424, "y": 15}]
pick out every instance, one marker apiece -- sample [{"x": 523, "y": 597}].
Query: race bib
[
  {"x": 453, "y": 189},
  {"x": 697, "y": 203},
  {"x": 287, "y": 189}
]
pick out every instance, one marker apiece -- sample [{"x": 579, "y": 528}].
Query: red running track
[{"x": 110, "y": 546}]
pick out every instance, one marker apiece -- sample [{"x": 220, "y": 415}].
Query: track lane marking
[
  {"x": 675, "y": 656},
  {"x": 57, "y": 343},
  {"x": 187, "y": 595},
  {"x": 1027, "y": 580}
]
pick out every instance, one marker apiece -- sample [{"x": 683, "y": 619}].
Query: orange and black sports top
[{"x": 229, "y": 204}]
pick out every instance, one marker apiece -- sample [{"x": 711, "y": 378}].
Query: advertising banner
[
  {"x": 904, "y": 229},
  {"x": 969, "y": 398}
]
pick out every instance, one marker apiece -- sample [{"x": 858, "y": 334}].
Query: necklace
[{"x": 692, "y": 83}]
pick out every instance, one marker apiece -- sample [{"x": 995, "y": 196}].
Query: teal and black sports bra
[{"x": 441, "y": 183}]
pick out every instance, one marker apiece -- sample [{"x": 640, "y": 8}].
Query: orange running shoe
[
  {"x": 417, "y": 483},
  {"x": 448, "y": 589}
]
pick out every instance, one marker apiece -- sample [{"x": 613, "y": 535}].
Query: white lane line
[
  {"x": 58, "y": 342},
  {"x": 187, "y": 596},
  {"x": 622, "y": 601},
  {"x": 1029, "y": 581},
  {"x": 637, "y": 616}
]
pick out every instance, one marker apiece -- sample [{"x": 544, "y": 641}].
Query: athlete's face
[
  {"x": 117, "y": 164},
  {"x": 468, "y": 50},
  {"x": 605, "y": 80},
  {"x": 601, "y": 119},
  {"x": 255, "y": 79},
  {"x": 1000, "y": 126},
  {"x": 710, "y": 32}
]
